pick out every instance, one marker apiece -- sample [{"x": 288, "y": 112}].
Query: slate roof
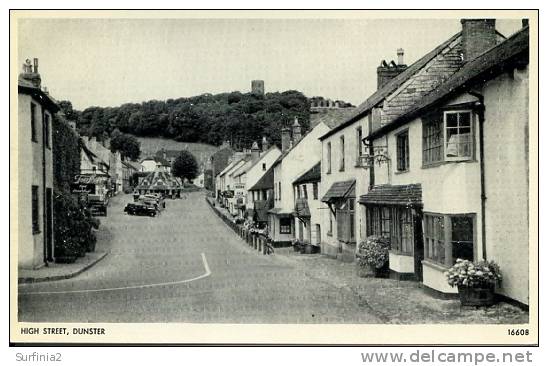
[
  {"x": 266, "y": 181},
  {"x": 26, "y": 87},
  {"x": 339, "y": 190},
  {"x": 301, "y": 208},
  {"x": 331, "y": 117},
  {"x": 390, "y": 87},
  {"x": 312, "y": 175},
  {"x": 409, "y": 195},
  {"x": 490, "y": 63}
]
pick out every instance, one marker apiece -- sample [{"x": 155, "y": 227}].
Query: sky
[{"x": 108, "y": 62}]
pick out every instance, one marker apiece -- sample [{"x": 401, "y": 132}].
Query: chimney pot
[
  {"x": 400, "y": 56},
  {"x": 36, "y": 65}
]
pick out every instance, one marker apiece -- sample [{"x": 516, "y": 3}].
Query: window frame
[
  {"x": 33, "y": 131},
  {"x": 328, "y": 171},
  {"x": 285, "y": 229},
  {"x": 314, "y": 190},
  {"x": 402, "y": 153},
  {"x": 47, "y": 130},
  {"x": 448, "y": 238},
  {"x": 359, "y": 136},
  {"x": 35, "y": 203},
  {"x": 471, "y": 127},
  {"x": 346, "y": 216},
  {"x": 342, "y": 152}
]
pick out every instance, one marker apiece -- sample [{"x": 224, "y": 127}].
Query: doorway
[{"x": 418, "y": 246}]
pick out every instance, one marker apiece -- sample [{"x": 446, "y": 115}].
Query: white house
[
  {"x": 453, "y": 175},
  {"x": 299, "y": 154},
  {"x": 35, "y": 171}
]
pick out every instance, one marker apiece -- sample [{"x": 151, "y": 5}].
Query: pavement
[{"x": 187, "y": 265}]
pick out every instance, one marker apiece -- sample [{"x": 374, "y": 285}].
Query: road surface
[{"x": 186, "y": 265}]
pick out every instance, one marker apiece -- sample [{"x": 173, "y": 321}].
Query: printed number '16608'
[{"x": 518, "y": 332}]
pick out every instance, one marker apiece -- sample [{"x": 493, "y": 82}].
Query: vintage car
[{"x": 140, "y": 209}]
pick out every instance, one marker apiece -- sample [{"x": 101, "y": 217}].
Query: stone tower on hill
[{"x": 257, "y": 87}]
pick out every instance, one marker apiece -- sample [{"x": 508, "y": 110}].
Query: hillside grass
[{"x": 150, "y": 145}]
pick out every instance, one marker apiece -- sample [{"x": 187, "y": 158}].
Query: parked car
[{"x": 140, "y": 209}]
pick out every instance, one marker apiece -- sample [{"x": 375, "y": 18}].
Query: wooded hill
[{"x": 239, "y": 117}]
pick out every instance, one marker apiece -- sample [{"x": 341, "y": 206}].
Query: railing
[{"x": 256, "y": 241}]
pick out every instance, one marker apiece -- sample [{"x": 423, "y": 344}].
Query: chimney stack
[
  {"x": 525, "y": 22},
  {"x": 478, "y": 35},
  {"x": 387, "y": 71},
  {"x": 297, "y": 135},
  {"x": 255, "y": 151},
  {"x": 30, "y": 73},
  {"x": 264, "y": 144},
  {"x": 286, "y": 139}
]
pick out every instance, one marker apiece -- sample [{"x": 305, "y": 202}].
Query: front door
[
  {"x": 418, "y": 246},
  {"x": 49, "y": 225}
]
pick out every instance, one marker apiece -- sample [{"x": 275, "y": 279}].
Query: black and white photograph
[{"x": 356, "y": 177}]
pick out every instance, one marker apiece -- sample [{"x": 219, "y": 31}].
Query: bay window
[
  {"x": 394, "y": 223},
  {"x": 449, "y": 237}
]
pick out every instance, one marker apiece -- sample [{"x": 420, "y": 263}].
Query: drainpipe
[
  {"x": 44, "y": 211},
  {"x": 481, "y": 115},
  {"x": 371, "y": 152}
]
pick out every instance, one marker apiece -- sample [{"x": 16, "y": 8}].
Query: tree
[
  {"x": 127, "y": 145},
  {"x": 185, "y": 166}
]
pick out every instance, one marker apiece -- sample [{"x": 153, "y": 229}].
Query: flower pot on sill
[{"x": 477, "y": 296}]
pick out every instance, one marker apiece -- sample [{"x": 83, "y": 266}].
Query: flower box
[{"x": 477, "y": 296}]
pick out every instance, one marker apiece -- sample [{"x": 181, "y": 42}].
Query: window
[
  {"x": 305, "y": 192},
  {"x": 345, "y": 221},
  {"x": 458, "y": 135},
  {"x": 285, "y": 225},
  {"x": 394, "y": 223},
  {"x": 330, "y": 232},
  {"x": 447, "y": 137},
  {"x": 315, "y": 190},
  {"x": 432, "y": 139},
  {"x": 341, "y": 167},
  {"x": 47, "y": 130},
  {"x": 264, "y": 167},
  {"x": 297, "y": 192},
  {"x": 33, "y": 122},
  {"x": 279, "y": 190},
  {"x": 358, "y": 144},
  {"x": 35, "y": 210},
  {"x": 448, "y": 237},
  {"x": 402, "y": 147},
  {"x": 328, "y": 157}
]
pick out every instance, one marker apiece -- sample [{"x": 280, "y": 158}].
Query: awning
[
  {"x": 340, "y": 190},
  {"x": 301, "y": 208},
  {"x": 280, "y": 212},
  {"x": 409, "y": 195}
]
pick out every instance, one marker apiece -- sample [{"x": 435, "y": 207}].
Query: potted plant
[
  {"x": 475, "y": 281},
  {"x": 372, "y": 256}
]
